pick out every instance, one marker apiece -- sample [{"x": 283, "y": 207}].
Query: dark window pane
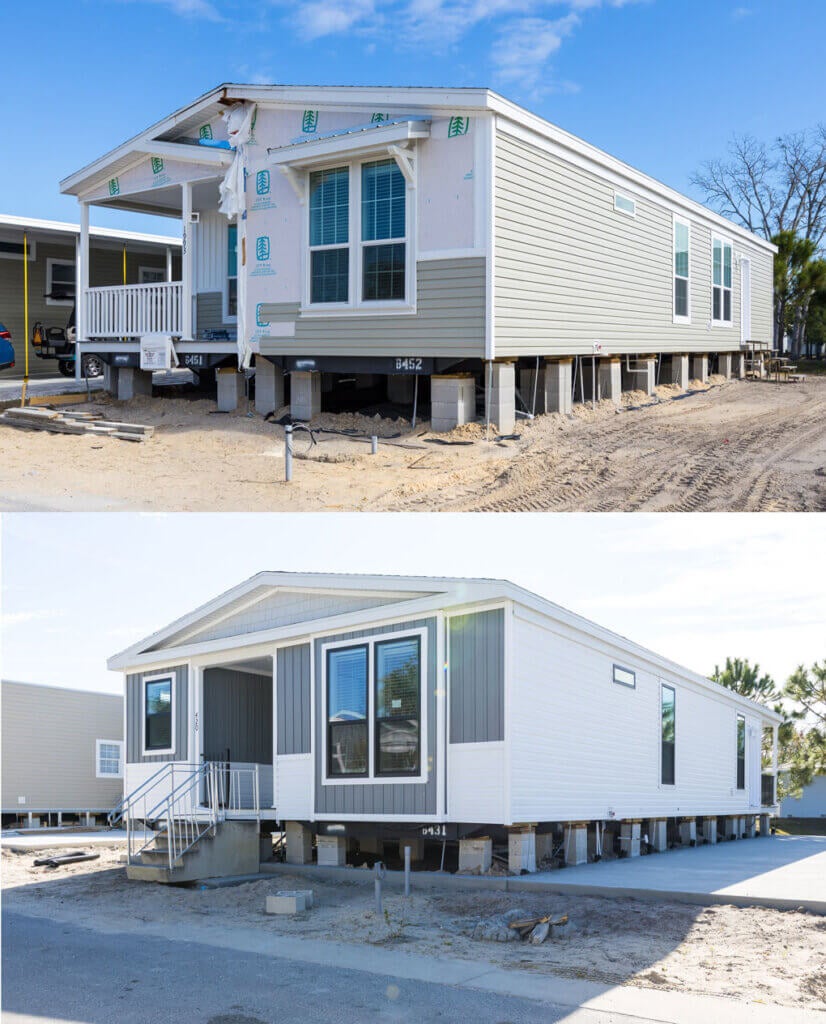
[
  {"x": 329, "y": 206},
  {"x": 741, "y": 752},
  {"x": 383, "y": 191},
  {"x": 727, "y": 306},
  {"x": 384, "y": 272},
  {"x": 680, "y": 297},
  {"x": 347, "y": 748},
  {"x": 330, "y": 270},
  {"x": 398, "y": 746},
  {"x": 668, "y": 727},
  {"x": 232, "y": 251},
  {"x": 668, "y": 764},
  {"x": 716, "y": 305},
  {"x": 159, "y": 715},
  {"x": 232, "y": 297},
  {"x": 347, "y": 684}
]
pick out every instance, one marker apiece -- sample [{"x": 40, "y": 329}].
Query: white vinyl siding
[{"x": 569, "y": 271}]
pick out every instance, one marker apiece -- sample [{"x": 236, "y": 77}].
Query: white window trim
[
  {"x": 172, "y": 677},
  {"x": 31, "y": 254},
  {"x": 356, "y": 306},
  {"x": 109, "y": 775},
  {"x": 661, "y": 784},
  {"x": 629, "y": 199},
  {"x": 686, "y": 223},
  {"x": 50, "y": 264},
  {"x": 619, "y": 682},
  {"x": 724, "y": 242},
  {"x": 142, "y": 271},
  {"x": 371, "y": 779},
  {"x": 225, "y": 314}
]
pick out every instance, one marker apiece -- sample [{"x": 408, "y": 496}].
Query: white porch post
[
  {"x": 186, "y": 261},
  {"x": 81, "y": 281},
  {"x": 168, "y": 264}
]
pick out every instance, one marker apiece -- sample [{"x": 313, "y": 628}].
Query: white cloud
[
  {"x": 523, "y": 48},
  {"x": 317, "y": 18},
  {"x": 188, "y": 8},
  {"x": 13, "y": 619}
]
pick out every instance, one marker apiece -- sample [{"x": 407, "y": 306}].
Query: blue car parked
[{"x": 6, "y": 349}]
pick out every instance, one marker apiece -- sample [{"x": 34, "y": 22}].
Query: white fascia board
[
  {"x": 366, "y": 139},
  {"x": 575, "y": 150},
  {"x": 401, "y": 611},
  {"x": 97, "y": 168},
  {"x": 347, "y": 97},
  {"x": 186, "y": 153},
  {"x": 549, "y": 610}
]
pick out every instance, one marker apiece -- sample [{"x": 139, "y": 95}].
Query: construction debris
[
  {"x": 71, "y": 422},
  {"x": 65, "y": 858},
  {"x": 513, "y": 925}
]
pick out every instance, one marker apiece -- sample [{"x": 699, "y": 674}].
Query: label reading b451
[{"x": 409, "y": 364}]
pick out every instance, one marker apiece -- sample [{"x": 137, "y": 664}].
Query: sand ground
[
  {"x": 726, "y": 446},
  {"x": 775, "y": 957}
]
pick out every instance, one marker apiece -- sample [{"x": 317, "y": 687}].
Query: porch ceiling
[{"x": 166, "y": 202}]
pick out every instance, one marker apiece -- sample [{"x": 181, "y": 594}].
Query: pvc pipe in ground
[{"x": 288, "y": 452}]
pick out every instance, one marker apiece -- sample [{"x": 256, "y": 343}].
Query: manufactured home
[
  {"x": 416, "y": 244},
  {"x": 349, "y": 711},
  {"x": 116, "y": 259},
  {"x": 62, "y": 754}
]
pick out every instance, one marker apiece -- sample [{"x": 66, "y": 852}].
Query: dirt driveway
[
  {"x": 758, "y": 954},
  {"x": 732, "y": 446}
]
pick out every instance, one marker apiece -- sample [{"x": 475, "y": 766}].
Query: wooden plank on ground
[{"x": 75, "y": 399}]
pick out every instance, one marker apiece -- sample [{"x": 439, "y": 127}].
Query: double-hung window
[
  {"x": 741, "y": 752},
  {"x": 158, "y": 715},
  {"x": 383, "y": 231},
  {"x": 668, "y": 735},
  {"x": 60, "y": 282},
  {"x": 682, "y": 301},
  {"x": 232, "y": 270},
  {"x": 108, "y": 759},
  {"x": 374, "y": 713},
  {"x": 330, "y": 235},
  {"x": 721, "y": 282}
]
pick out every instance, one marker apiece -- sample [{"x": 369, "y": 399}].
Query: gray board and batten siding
[
  {"x": 570, "y": 270},
  {"x": 409, "y": 798},
  {"x": 293, "y": 699},
  {"x": 237, "y": 716},
  {"x": 476, "y": 659},
  {"x": 449, "y": 320},
  {"x": 134, "y": 716}
]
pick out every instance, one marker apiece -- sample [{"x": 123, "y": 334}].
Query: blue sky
[
  {"x": 692, "y": 587},
  {"x": 661, "y": 84}
]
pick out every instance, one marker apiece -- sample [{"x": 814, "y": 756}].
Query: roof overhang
[{"x": 361, "y": 139}]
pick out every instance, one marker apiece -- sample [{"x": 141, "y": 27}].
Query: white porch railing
[{"x": 130, "y": 310}]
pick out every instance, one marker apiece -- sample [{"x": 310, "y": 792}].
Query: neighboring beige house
[
  {"x": 62, "y": 752},
  {"x": 51, "y": 254}
]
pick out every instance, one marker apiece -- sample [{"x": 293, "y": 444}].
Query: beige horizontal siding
[
  {"x": 571, "y": 271},
  {"x": 49, "y": 739},
  {"x": 449, "y": 320}
]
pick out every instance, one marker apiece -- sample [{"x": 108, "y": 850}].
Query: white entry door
[{"x": 745, "y": 300}]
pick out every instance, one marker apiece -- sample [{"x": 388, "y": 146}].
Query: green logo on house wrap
[
  {"x": 262, "y": 183},
  {"x": 262, "y": 247},
  {"x": 309, "y": 122},
  {"x": 378, "y": 118},
  {"x": 205, "y": 131},
  {"x": 457, "y": 126},
  {"x": 258, "y": 321},
  {"x": 157, "y": 165},
  {"x": 114, "y": 187}
]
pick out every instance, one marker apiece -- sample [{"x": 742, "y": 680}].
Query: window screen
[
  {"x": 383, "y": 217},
  {"x": 329, "y": 235},
  {"x": 158, "y": 709},
  {"x": 397, "y": 707},
  {"x": 668, "y": 733}
]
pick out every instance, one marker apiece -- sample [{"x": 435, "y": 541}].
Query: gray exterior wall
[
  {"x": 570, "y": 270},
  {"x": 293, "y": 700},
  {"x": 134, "y": 719},
  {"x": 105, "y": 268},
  {"x": 413, "y": 799},
  {"x": 449, "y": 320},
  {"x": 209, "y": 313},
  {"x": 49, "y": 746},
  {"x": 283, "y": 608},
  {"x": 237, "y": 715},
  {"x": 476, "y": 659}
]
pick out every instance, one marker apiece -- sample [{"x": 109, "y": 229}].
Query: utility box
[{"x": 157, "y": 352}]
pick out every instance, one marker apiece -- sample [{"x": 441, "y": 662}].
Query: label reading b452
[{"x": 409, "y": 364}]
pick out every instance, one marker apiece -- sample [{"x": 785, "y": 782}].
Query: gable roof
[
  {"x": 422, "y": 593},
  {"x": 414, "y": 99}
]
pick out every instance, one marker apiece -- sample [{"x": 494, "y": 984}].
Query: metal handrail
[{"x": 119, "y": 811}]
